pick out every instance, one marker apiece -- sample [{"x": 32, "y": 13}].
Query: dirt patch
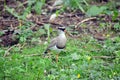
[{"x": 68, "y": 19}]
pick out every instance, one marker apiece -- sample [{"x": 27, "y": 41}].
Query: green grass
[{"x": 78, "y": 62}]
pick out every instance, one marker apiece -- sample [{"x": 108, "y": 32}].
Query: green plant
[
  {"x": 76, "y": 4},
  {"x": 48, "y": 29},
  {"x": 115, "y": 15},
  {"x": 116, "y": 26},
  {"x": 95, "y": 10},
  {"x": 25, "y": 32},
  {"x": 35, "y": 5}
]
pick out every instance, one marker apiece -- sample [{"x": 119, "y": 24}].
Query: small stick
[
  {"x": 7, "y": 51},
  {"x": 31, "y": 55},
  {"x": 84, "y": 21},
  {"x": 104, "y": 57},
  {"x": 69, "y": 34}
]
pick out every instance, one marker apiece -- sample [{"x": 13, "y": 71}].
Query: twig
[
  {"x": 69, "y": 34},
  {"x": 31, "y": 55},
  {"x": 24, "y": 3},
  {"x": 9, "y": 20},
  {"x": 7, "y": 51},
  {"x": 84, "y": 21},
  {"x": 30, "y": 28},
  {"x": 21, "y": 47},
  {"x": 104, "y": 57},
  {"x": 44, "y": 22}
]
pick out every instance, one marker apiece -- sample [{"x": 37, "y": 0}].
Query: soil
[{"x": 75, "y": 20}]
